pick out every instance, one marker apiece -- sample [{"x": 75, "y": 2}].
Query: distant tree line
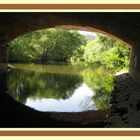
[
  {"x": 57, "y": 45},
  {"x": 69, "y": 46}
]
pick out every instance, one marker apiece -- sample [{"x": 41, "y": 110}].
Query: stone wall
[{"x": 125, "y": 103}]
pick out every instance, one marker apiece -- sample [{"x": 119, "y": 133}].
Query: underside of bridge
[{"x": 124, "y": 26}]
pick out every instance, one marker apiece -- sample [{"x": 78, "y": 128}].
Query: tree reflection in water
[{"x": 94, "y": 84}]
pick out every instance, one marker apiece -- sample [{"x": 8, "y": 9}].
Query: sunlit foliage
[
  {"x": 105, "y": 51},
  {"x": 56, "y": 45}
]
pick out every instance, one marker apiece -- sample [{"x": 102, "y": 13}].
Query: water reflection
[
  {"x": 68, "y": 89},
  {"x": 72, "y": 104}
]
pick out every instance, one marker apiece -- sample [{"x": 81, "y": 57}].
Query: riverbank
[
  {"x": 125, "y": 103},
  {"x": 40, "y": 62}
]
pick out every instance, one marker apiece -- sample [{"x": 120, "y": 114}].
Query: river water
[{"x": 60, "y": 88}]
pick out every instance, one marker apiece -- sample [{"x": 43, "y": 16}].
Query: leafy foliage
[
  {"x": 105, "y": 51},
  {"x": 46, "y": 45}
]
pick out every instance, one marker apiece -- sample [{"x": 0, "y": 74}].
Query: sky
[{"x": 87, "y": 33}]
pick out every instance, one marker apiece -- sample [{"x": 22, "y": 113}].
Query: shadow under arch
[{"x": 16, "y": 24}]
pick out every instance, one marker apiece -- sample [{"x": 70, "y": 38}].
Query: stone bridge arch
[{"x": 125, "y": 26}]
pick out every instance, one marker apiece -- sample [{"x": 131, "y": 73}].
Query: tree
[
  {"x": 104, "y": 51},
  {"x": 107, "y": 41},
  {"x": 46, "y": 45}
]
